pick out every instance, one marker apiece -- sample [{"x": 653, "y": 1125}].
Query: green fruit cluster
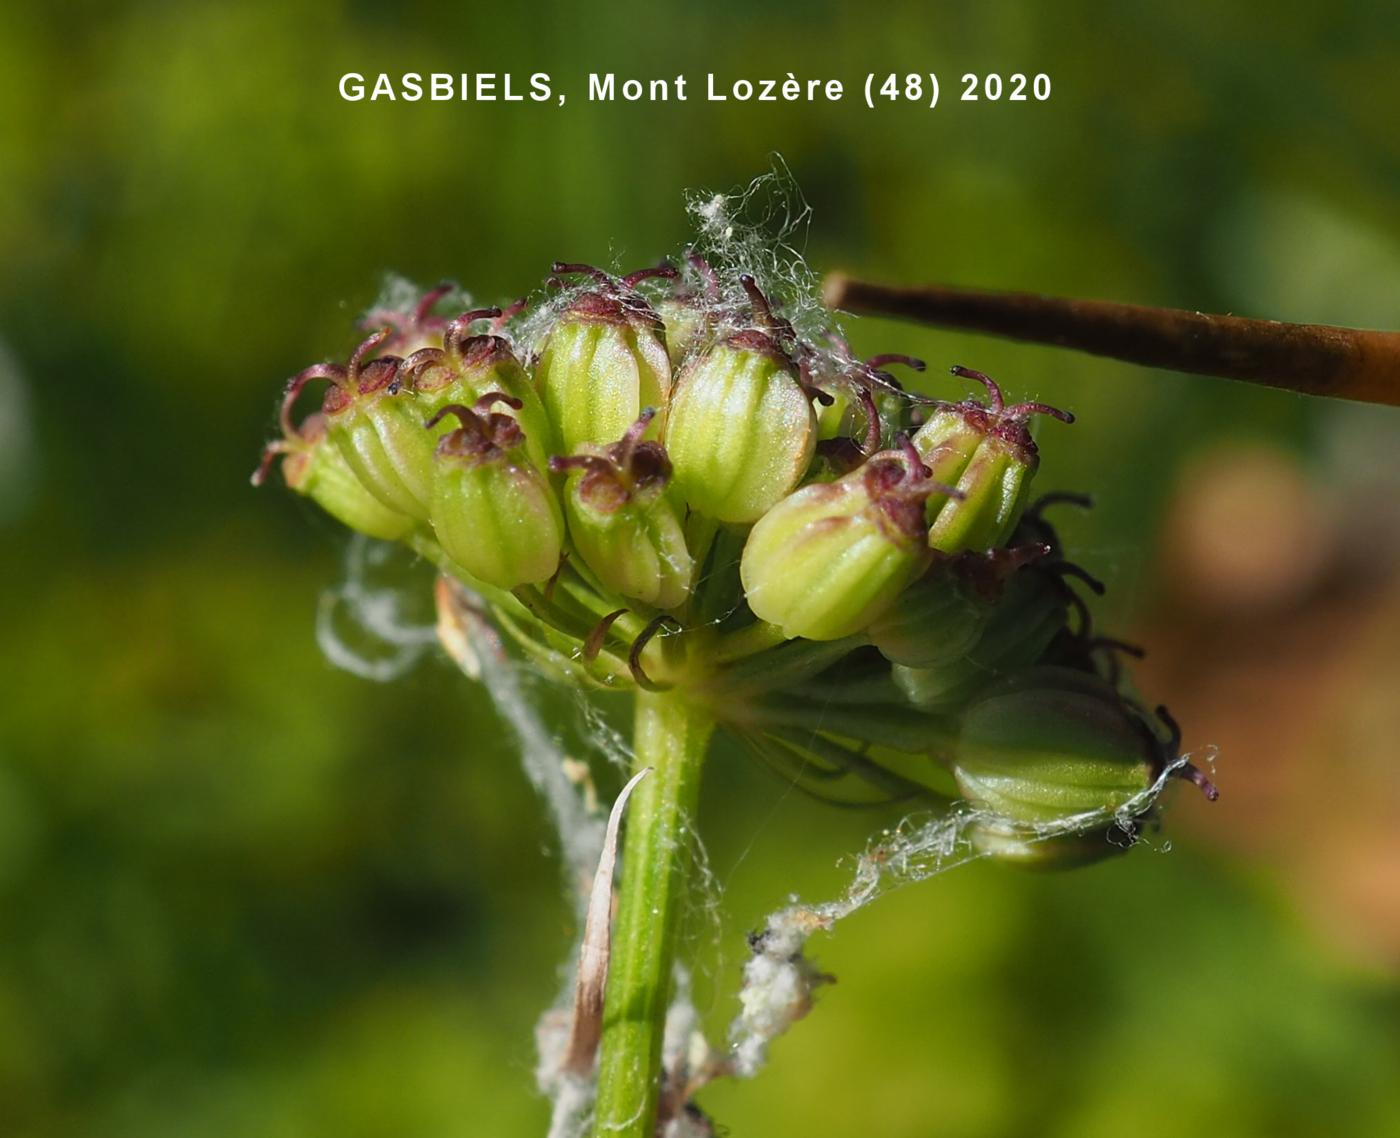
[{"x": 847, "y": 575}]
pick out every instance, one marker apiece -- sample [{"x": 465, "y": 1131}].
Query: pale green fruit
[
  {"x": 741, "y": 431},
  {"x": 467, "y": 368},
  {"x": 1051, "y": 744},
  {"x": 832, "y": 557},
  {"x": 498, "y": 519},
  {"x": 637, "y": 551},
  {"x": 603, "y": 364},
  {"x": 986, "y": 452},
  {"x": 374, "y": 421},
  {"x": 493, "y": 510},
  {"x": 622, "y": 522},
  {"x": 315, "y": 468}
]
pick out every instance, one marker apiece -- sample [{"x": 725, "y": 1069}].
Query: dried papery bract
[{"x": 595, "y": 948}]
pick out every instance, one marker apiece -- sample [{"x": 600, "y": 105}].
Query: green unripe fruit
[
  {"x": 842, "y": 410},
  {"x": 1023, "y": 850},
  {"x": 947, "y": 441},
  {"x": 371, "y": 417},
  {"x": 937, "y": 621},
  {"x": 468, "y": 367},
  {"x": 384, "y": 445},
  {"x": 831, "y": 558},
  {"x": 741, "y": 431},
  {"x": 639, "y": 554},
  {"x": 315, "y": 468},
  {"x": 994, "y": 485},
  {"x": 604, "y": 361},
  {"x": 492, "y": 509},
  {"x": 1014, "y": 633},
  {"x": 850, "y": 426},
  {"x": 622, "y": 523},
  {"x": 687, "y": 328},
  {"x": 1051, "y": 744},
  {"x": 837, "y": 419},
  {"x": 988, "y": 454},
  {"x": 688, "y": 313}
]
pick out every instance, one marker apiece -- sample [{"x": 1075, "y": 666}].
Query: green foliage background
[{"x": 246, "y": 894}]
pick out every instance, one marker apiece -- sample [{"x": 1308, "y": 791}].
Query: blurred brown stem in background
[{"x": 1312, "y": 359}]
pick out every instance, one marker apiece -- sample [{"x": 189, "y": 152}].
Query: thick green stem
[{"x": 671, "y": 737}]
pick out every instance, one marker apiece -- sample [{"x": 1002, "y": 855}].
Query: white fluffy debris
[
  {"x": 365, "y": 625},
  {"x": 779, "y": 983}
]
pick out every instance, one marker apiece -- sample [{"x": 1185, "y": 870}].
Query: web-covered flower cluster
[{"x": 655, "y": 480}]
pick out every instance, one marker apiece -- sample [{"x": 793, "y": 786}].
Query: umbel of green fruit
[
  {"x": 604, "y": 361},
  {"x": 987, "y": 452},
  {"x": 622, "y": 522},
  {"x": 726, "y": 506},
  {"x": 832, "y": 557},
  {"x": 492, "y": 509},
  {"x": 741, "y": 431}
]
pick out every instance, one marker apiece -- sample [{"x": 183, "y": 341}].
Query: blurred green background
[{"x": 245, "y": 893}]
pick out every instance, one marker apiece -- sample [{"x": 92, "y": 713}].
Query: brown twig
[{"x": 1312, "y": 359}]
